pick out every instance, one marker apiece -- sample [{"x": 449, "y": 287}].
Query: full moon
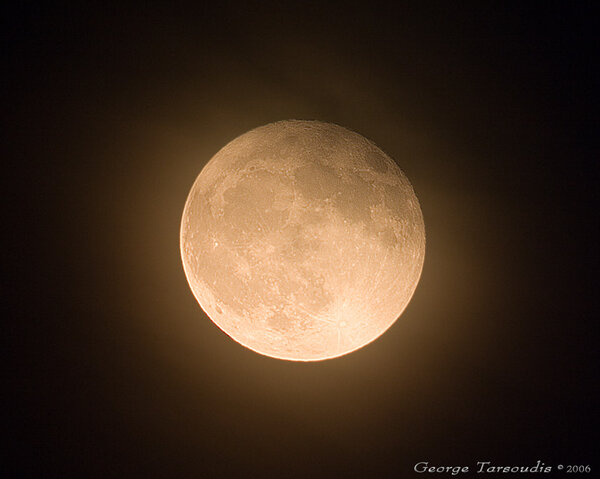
[{"x": 302, "y": 240}]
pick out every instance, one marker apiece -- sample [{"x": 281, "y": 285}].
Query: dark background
[{"x": 111, "y": 111}]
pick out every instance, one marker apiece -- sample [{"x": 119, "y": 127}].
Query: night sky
[{"x": 110, "y": 113}]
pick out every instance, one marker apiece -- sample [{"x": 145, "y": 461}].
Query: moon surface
[{"x": 302, "y": 240}]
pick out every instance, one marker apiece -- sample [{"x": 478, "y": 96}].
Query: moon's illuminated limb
[{"x": 302, "y": 240}]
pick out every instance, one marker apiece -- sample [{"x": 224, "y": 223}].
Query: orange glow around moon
[{"x": 302, "y": 240}]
